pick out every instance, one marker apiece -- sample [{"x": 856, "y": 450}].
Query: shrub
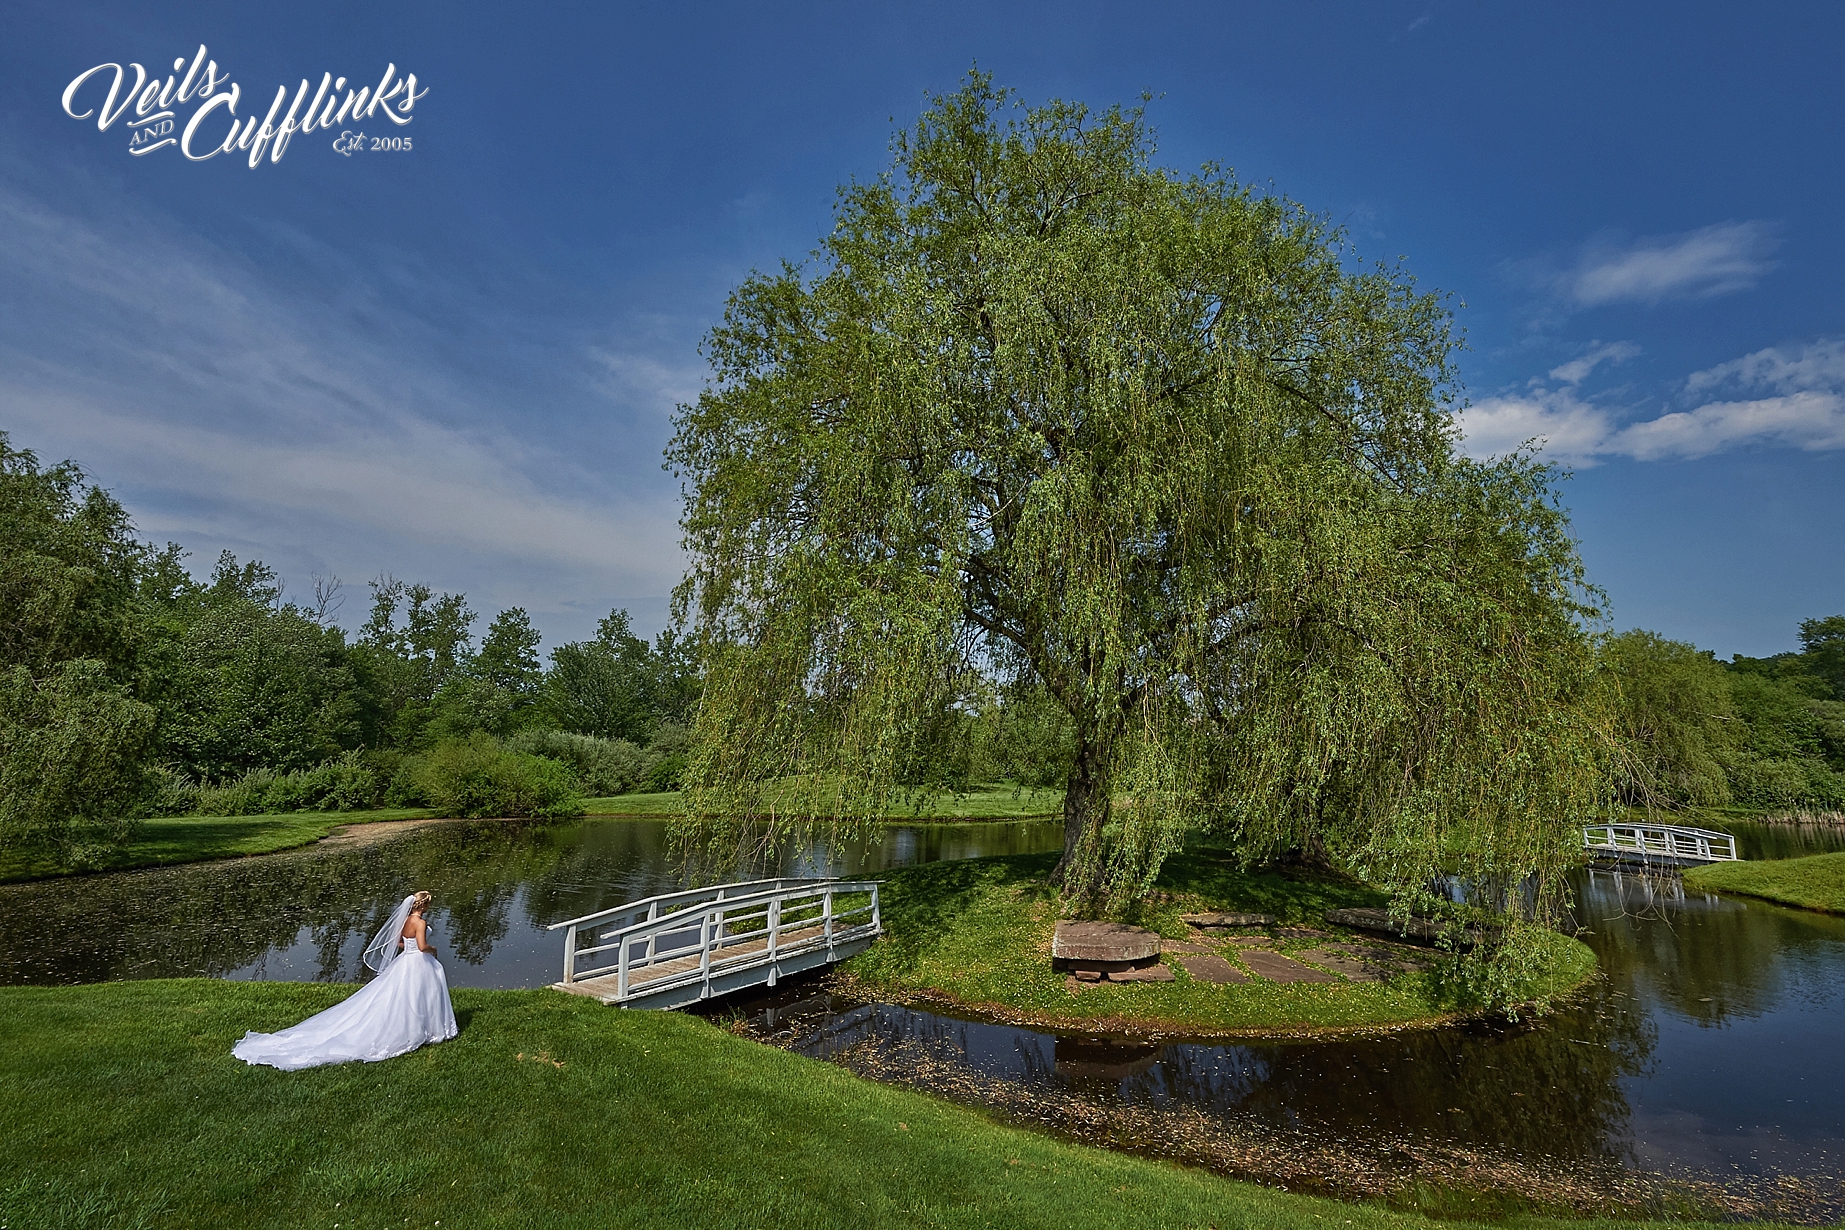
[
  {"x": 73, "y": 749},
  {"x": 602, "y": 766},
  {"x": 478, "y": 777},
  {"x": 347, "y": 783}
]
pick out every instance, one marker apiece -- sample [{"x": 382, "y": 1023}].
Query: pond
[
  {"x": 305, "y": 915},
  {"x": 1709, "y": 1053}
]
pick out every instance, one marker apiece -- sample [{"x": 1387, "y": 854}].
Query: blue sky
[{"x": 458, "y": 363}]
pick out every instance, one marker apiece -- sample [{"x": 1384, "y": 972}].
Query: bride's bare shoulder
[{"x": 415, "y": 926}]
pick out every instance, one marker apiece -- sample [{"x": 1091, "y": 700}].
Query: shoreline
[
  {"x": 341, "y": 829},
  {"x": 524, "y": 1092}
]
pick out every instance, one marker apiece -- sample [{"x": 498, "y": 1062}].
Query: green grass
[
  {"x": 1816, "y": 882},
  {"x": 987, "y": 802},
  {"x": 978, "y": 933},
  {"x": 124, "y": 1108},
  {"x": 191, "y": 839}
]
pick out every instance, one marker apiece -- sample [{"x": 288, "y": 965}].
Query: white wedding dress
[{"x": 405, "y": 1006}]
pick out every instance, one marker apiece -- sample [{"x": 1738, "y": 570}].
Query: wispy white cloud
[
  {"x": 1713, "y": 260},
  {"x": 1819, "y": 365},
  {"x": 1555, "y": 422},
  {"x": 1577, "y": 370},
  {"x": 1811, "y": 421},
  {"x": 229, "y": 408},
  {"x": 1803, "y": 407}
]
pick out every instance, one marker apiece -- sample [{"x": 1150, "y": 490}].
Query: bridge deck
[
  {"x": 716, "y": 941},
  {"x": 1659, "y": 845}
]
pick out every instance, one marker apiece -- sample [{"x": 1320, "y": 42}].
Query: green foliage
[
  {"x": 1824, "y": 643},
  {"x": 75, "y": 728},
  {"x": 1044, "y": 413},
  {"x": 478, "y": 777},
  {"x": 602, "y": 766},
  {"x": 73, "y": 758},
  {"x": 251, "y": 683},
  {"x": 498, "y": 689},
  {"x": 346, "y": 783},
  {"x": 68, "y": 565},
  {"x": 402, "y": 665},
  {"x": 1677, "y": 721},
  {"x": 1759, "y": 732},
  {"x": 617, "y": 686},
  {"x": 508, "y": 654}
]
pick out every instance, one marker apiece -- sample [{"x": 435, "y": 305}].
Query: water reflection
[
  {"x": 1759, "y": 841},
  {"x": 1708, "y": 1048},
  {"x": 305, "y": 915}
]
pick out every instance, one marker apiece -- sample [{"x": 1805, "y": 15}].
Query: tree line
[
  {"x": 1759, "y": 733},
  {"x": 128, "y": 688}
]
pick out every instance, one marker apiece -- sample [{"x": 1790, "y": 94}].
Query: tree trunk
[{"x": 1085, "y": 809}]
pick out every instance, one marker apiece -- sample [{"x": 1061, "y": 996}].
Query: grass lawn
[
  {"x": 988, "y": 802},
  {"x": 1816, "y": 882},
  {"x": 190, "y": 839},
  {"x": 124, "y": 1108},
  {"x": 978, "y": 933}
]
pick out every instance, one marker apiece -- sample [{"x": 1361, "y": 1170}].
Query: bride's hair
[{"x": 420, "y": 902}]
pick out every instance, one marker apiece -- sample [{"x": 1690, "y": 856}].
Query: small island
[{"x": 976, "y": 937}]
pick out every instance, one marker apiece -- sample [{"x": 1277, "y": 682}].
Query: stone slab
[
  {"x": 1211, "y": 968},
  {"x": 1356, "y": 968},
  {"x": 1252, "y": 941},
  {"x": 1181, "y": 946},
  {"x": 1415, "y": 930},
  {"x": 1229, "y": 920},
  {"x": 1103, "y": 941},
  {"x": 1150, "y": 973},
  {"x": 1277, "y": 968}
]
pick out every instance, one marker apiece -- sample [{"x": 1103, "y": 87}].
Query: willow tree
[{"x": 1040, "y": 409}]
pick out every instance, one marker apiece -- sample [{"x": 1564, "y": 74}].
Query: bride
[{"x": 405, "y": 1006}]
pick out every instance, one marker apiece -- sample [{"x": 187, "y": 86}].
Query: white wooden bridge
[
  {"x": 678, "y": 948},
  {"x": 1659, "y": 845}
]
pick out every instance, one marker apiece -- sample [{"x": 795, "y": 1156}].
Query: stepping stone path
[
  {"x": 1277, "y": 968},
  {"x": 1219, "y": 921},
  {"x": 1252, "y": 941},
  {"x": 1416, "y": 930},
  {"x": 1355, "y": 968},
  {"x": 1212, "y": 968},
  {"x": 1179, "y": 946}
]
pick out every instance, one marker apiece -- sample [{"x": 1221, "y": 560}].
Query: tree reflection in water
[
  {"x": 305, "y": 915},
  {"x": 1639, "y": 1072}
]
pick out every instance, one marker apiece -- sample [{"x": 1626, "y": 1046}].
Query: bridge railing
[
  {"x": 1663, "y": 840},
  {"x": 725, "y": 927}
]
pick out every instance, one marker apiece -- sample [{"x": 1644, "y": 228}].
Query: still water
[
  {"x": 1711, "y": 1050},
  {"x": 305, "y": 915}
]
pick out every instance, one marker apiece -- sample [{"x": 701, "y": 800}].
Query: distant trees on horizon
[{"x": 128, "y": 687}]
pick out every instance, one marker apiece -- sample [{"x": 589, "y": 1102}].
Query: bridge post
[{"x": 570, "y": 954}]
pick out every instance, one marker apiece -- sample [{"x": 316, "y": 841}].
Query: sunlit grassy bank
[
  {"x": 1816, "y": 882},
  {"x": 987, "y": 802},
  {"x": 191, "y": 839},
  {"x": 126, "y": 1109},
  {"x": 978, "y": 933}
]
